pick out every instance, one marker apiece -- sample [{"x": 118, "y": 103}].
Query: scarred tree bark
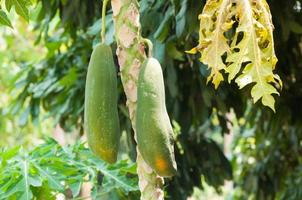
[{"x": 131, "y": 54}]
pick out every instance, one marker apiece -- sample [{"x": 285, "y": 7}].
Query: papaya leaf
[
  {"x": 214, "y": 21},
  {"x": 257, "y": 48},
  {"x": 53, "y": 169},
  {"x": 250, "y": 54},
  {"x": 25, "y": 181}
]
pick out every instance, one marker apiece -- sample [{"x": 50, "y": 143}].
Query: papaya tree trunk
[{"x": 131, "y": 54}]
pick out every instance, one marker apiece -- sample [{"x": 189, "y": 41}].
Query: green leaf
[
  {"x": 43, "y": 193},
  {"x": 24, "y": 117},
  {"x": 21, "y": 8},
  {"x": 52, "y": 180},
  {"x": 70, "y": 78},
  {"x": 113, "y": 176},
  {"x": 181, "y": 19},
  {"x": 10, "y": 188},
  {"x": 4, "y": 19},
  {"x": 50, "y": 168},
  {"x": 24, "y": 184},
  {"x": 76, "y": 188},
  {"x": 162, "y": 31},
  {"x": 8, "y": 4},
  {"x": 8, "y": 154},
  {"x": 173, "y": 51}
]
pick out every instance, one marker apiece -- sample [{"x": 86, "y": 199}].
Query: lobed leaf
[
  {"x": 214, "y": 21},
  {"x": 53, "y": 169},
  {"x": 257, "y": 48},
  {"x": 250, "y": 54}
]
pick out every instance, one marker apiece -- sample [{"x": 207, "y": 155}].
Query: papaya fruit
[
  {"x": 101, "y": 119},
  {"x": 153, "y": 126}
]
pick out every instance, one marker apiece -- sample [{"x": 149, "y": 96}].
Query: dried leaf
[{"x": 250, "y": 57}]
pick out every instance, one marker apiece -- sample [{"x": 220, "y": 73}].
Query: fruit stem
[
  {"x": 103, "y": 32},
  {"x": 150, "y": 46}
]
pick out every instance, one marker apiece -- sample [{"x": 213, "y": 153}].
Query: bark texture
[{"x": 131, "y": 54}]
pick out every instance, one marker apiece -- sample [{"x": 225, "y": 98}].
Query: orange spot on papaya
[
  {"x": 161, "y": 164},
  {"x": 108, "y": 155}
]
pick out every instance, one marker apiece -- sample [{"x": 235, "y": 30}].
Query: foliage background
[{"x": 43, "y": 75}]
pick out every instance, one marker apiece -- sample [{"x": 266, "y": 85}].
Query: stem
[
  {"x": 103, "y": 32},
  {"x": 131, "y": 54},
  {"x": 150, "y": 47}
]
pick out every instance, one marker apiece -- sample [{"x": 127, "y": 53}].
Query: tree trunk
[{"x": 131, "y": 54}]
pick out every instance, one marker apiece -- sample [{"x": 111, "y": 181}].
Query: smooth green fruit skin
[
  {"x": 153, "y": 126},
  {"x": 101, "y": 114}
]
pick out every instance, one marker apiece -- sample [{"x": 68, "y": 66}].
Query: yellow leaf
[
  {"x": 268, "y": 100},
  {"x": 217, "y": 79},
  {"x": 192, "y": 51},
  {"x": 250, "y": 55}
]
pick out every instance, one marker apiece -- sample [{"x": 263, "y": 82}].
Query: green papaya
[
  {"x": 101, "y": 119},
  {"x": 153, "y": 126}
]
